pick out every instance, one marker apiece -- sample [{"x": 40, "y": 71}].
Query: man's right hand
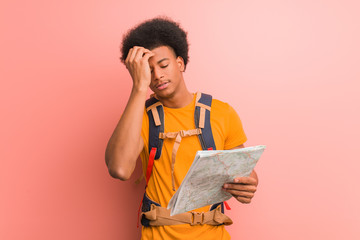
[
  {"x": 126, "y": 143},
  {"x": 137, "y": 63}
]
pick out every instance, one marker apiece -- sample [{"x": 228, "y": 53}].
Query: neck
[{"x": 178, "y": 100}]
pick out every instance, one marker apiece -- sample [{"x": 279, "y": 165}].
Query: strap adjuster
[
  {"x": 197, "y": 218},
  {"x": 182, "y": 133}
]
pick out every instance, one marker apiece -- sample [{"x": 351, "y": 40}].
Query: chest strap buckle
[{"x": 197, "y": 218}]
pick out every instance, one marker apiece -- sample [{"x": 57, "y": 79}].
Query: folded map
[{"x": 209, "y": 171}]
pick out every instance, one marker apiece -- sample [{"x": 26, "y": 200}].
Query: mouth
[{"x": 162, "y": 86}]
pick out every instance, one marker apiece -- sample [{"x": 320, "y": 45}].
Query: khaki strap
[
  {"x": 203, "y": 109},
  {"x": 155, "y": 112},
  {"x": 198, "y": 96},
  {"x": 160, "y": 216},
  {"x": 178, "y": 136},
  {"x": 153, "y": 106},
  {"x": 203, "y": 106},
  {"x": 202, "y": 118}
]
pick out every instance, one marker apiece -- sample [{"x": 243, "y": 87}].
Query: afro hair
[{"x": 156, "y": 32}]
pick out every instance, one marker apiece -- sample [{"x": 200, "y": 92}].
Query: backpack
[{"x": 152, "y": 213}]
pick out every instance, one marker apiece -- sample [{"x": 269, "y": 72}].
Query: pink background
[{"x": 289, "y": 68}]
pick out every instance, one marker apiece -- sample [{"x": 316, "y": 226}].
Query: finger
[
  {"x": 237, "y": 193},
  {"x": 134, "y": 53},
  {"x": 140, "y": 53},
  {"x": 240, "y": 187},
  {"x": 148, "y": 55},
  {"x": 245, "y": 180},
  {"x": 243, "y": 200},
  {"x": 128, "y": 56}
]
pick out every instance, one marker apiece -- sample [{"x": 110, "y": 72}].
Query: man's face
[{"x": 166, "y": 72}]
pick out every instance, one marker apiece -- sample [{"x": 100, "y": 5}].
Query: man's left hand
[{"x": 243, "y": 188}]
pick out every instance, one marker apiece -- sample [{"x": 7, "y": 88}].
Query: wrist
[{"x": 139, "y": 89}]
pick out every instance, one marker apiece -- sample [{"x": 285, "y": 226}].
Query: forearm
[{"x": 126, "y": 143}]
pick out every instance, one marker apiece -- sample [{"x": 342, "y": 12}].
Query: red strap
[
  {"x": 210, "y": 148},
  {"x": 148, "y": 174},
  {"x": 227, "y": 206},
  {"x": 138, "y": 218},
  {"x": 150, "y": 164}
]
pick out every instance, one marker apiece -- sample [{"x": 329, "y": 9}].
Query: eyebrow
[{"x": 162, "y": 60}]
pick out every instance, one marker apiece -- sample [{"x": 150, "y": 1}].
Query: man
[{"x": 155, "y": 54}]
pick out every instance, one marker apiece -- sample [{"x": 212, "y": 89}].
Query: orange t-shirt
[{"x": 227, "y": 132}]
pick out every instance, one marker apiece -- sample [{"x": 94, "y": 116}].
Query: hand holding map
[
  {"x": 242, "y": 188},
  {"x": 209, "y": 171}
]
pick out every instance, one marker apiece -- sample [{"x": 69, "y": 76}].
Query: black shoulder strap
[
  {"x": 153, "y": 107},
  {"x": 203, "y": 104}
]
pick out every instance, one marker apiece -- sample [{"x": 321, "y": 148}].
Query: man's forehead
[{"x": 163, "y": 52}]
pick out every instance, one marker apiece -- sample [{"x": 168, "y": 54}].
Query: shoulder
[
  {"x": 220, "y": 106},
  {"x": 223, "y": 111},
  {"x": 219, "y": 103}
]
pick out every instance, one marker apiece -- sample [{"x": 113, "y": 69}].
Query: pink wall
[{"x": 290, "y": 69}]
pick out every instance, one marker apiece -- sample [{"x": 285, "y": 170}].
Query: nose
[{"x": 157, "y": 74}]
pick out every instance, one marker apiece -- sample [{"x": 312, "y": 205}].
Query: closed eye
[{"x": 165, "y": 66}]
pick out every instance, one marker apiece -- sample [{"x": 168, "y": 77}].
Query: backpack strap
[
  {"x": 202, "y": 120},
  {"x": 152, "y": 214},
  {"x": 178, "y": 136},
  {"x": 155, "y": 113}
]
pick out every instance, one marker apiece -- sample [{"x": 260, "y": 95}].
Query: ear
[{"x": 180, "y": 62}]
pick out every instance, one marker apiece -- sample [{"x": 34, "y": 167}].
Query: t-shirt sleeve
[{"x": 235, "y": 133}]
